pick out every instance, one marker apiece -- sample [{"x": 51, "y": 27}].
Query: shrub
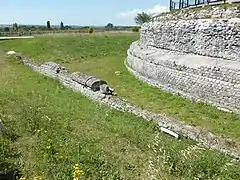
[
  {"x": 90, "y": 30},
  {"x": 143, "y": 17},
  {"x": 135, "y": 29}
]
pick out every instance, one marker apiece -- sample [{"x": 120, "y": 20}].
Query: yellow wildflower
[
  {"x": 48, "y": 147},
  {"x": 37, "y": 178},
  {"x": 77, "y": 172},
  {"x": 38, "y": 131},
  {"x": 22, "y": 178}
]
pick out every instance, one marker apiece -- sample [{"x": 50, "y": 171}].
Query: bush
[
  {"x": 135, "y": 29},
  {"x": 90, "y": 30}
]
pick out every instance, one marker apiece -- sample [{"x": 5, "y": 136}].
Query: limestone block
[{"x": 86, "y": 80}]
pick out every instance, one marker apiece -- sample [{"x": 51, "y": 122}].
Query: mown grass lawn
[
  {"x": 103, "y": 56},
  {"x": 53, "y": 128}
]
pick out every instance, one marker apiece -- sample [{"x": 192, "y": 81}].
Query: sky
[{"x": 77, "y": 12}]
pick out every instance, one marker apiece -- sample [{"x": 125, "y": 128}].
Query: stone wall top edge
[
  {"x": 220, "y": 20},
  {"x": 136, "y": 49},
  {"x": 181, "y": 68},
  {"x": 204, "y": 12}
]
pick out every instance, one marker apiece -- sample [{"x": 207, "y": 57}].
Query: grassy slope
[
  {"x": 102, "y": 56},
  {"x": 73, "y": 130},
  {"x": 58, "y": 128}
]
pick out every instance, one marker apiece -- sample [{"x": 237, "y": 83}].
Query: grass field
[
  {"x": 102, "y": 56},
  {"x": 53, "y": 128}
]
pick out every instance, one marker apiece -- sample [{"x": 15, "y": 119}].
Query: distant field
[
  {"x": 60, "y": 32},
  {"x": 53, "y": 128},
  {"x": 108, "y": 33}
]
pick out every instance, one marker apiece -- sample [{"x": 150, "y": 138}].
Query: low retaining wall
[
  {"x": 214, "y": 81},
  {"x": 203, "y": 137}
]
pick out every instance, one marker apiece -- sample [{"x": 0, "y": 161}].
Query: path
[{"x": 17, "y": 37}]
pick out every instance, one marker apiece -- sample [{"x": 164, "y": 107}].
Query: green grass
[
  {"x": 53, "y": 128},
  {"x": 102, "y": 56}
]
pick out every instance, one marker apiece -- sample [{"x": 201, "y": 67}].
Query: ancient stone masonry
[
  {"x": 198, "y": 78},
  {"x": 196, "y": 58},
  {"x": 90, "y": 81},
  {"x": 208, "y": 37},
  {"x": 87, "y": 81},
  {"x": 203, "y": 137},
  {"x": 213, "y": 12}
]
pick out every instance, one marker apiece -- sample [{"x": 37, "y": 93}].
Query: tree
[
  {"x": 33, "y": 28},
  {"x": 68, "y": 27},
  {"x": 48, "y": 25},
  {"x": 143, "y": 17},
  {"x": 135, "y": 29},
  {"x": 6, "y": 29},
  {"x": 109, "y": 26},
  {"x": 61, "y": 25},
  {"x": 90, "y": 30},
  {"x": 15, "y": 27}
]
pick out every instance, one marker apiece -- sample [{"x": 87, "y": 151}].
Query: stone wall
[
  {"x": 206, "y": 79},
  {"x": 196, "y": 58},
  {"x": 207, "y": 12},
  {"x": 208, "y": 37}
]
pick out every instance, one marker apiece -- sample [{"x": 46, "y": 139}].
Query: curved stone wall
[
  {"x": 195, "y": 58},
  {"x": 214, "y": 81},
  {"x": 208, "y": 37}
]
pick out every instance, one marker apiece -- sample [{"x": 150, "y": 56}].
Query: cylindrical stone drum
[{"x": 86, "y": 80}]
